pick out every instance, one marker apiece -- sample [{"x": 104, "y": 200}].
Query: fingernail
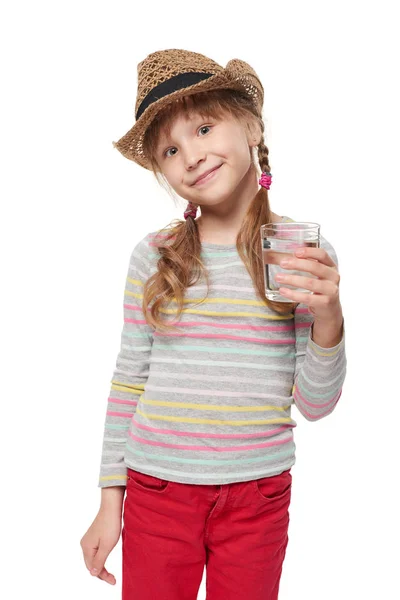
[
  {"x": 94, "y": 571},
  {"x": 300, "y": 252}
]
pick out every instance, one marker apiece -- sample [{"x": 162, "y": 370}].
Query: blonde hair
[{"x": 180, "y": 265}]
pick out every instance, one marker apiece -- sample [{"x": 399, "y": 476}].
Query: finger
[
  {"x": 295, "y": 296},
  {"x": 94, "y": 561},
  {"x": 312, "y": 299},
  {"x": 319, "y": 286},
  {"x": 105, "y": 576},
  {"x": 97, "y": 567},
  {"x": 310, "y": 266},
  {"x": 88, "y": 555},
  {"x": 317, "y": 253}
]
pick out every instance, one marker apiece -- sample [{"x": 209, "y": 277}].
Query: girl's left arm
[
  {"x": 328, "y": 334},
  {"x": 321, "y": 361}
]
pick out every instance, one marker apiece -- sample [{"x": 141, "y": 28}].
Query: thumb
[{"x": 98, "y": 561}]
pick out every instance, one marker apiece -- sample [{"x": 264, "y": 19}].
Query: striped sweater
[{"x": 212, "y": 403}]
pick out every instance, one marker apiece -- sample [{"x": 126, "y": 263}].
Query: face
[{"x": 196, "y": 145}]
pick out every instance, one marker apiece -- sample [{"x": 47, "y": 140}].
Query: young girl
[{"x": 198, "y": 429}]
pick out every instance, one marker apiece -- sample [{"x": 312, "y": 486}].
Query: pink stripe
[
  {"x": 312, "y": 404},
  {"x": 227, "y": 436},
  {"x": 224, "y": 325},
  {"x": 136, "y": 321},
  {"x": 118, "y": 401},
  {"x": 156, "y": 235},
  {"x": 112, "y": 413},
  {"x": 225, "y": 337},
  {"x": 335, "y": 400},
  {"x": 133, "y": 307},
  {"x": 209, "y": 449},
  {"x": 236, "y": 326},
  {"x": 303, "y": 311}
]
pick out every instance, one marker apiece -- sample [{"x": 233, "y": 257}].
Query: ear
[{"x": 253, "y": 133}]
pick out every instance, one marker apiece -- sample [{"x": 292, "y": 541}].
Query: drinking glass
[{"x": 279, "y": 241}]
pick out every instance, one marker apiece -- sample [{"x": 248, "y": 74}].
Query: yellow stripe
[
  {"x": 214, "y": 313},
  {"x": 214, "y": 421},
  {"x": 127, "y": 388},
  {"x": 326, "y": 353},
  {"x": 131, "y": 385},
  {"x": 208, "y": 300},
  {"x": 215, "y": 301},
  {"x": 135, "y": 281},
  {"x": 214, "y": 406},
  {"x": 108, "y": 477}
]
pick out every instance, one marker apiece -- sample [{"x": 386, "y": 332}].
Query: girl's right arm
[
  {"x": 103, "y": 534},
  {"x": 112, "y": 498},
  {"x": 130, "y": 374},
  {"x": 128, "y": 380}
]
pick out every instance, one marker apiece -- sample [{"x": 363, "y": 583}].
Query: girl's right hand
[{"x": 97, "y": 543}]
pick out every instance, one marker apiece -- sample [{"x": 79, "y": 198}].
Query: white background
[{"x": 72, "y": 209}]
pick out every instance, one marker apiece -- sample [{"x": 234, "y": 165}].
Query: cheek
[
  {"x": 171, "y": 175},
  {"x": 235, "y": 149},
  {"x": 241, "y": 158},
  {"x": 175, "y": 182}
]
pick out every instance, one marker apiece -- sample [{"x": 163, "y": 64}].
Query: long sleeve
[
  {"x": 130, "y": 374},
  {"x": 320, "y": 372}
]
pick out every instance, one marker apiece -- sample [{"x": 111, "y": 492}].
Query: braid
[{"x": 263, "y": 151}]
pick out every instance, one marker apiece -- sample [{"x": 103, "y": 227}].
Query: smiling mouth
[{"x": 206, "y": 177}]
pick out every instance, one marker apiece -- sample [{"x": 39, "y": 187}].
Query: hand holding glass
[{"x": 279, "y": 241}]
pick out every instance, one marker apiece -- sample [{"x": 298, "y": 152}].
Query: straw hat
[{"x": 166, "y": 75}]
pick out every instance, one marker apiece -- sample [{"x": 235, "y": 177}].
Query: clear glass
[{"x": 279, "y": 241}]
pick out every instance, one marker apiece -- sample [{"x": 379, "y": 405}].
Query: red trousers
[{"x": 171, "y": 531}]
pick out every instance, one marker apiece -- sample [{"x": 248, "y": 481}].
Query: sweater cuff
[
  {"x": 116, "y": 476},
  {"x": 320, "y": 351}
]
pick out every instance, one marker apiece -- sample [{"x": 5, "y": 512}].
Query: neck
[{"x": 221, "y": 224}]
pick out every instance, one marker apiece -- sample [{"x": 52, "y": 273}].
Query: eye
[
  {"x": 166, "y": 152},
  {"x": 205, "y": 127},
  {"x": 173, "y": 147}
]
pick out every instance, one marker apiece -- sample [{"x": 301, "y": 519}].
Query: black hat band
[{"x": 165, "y": 88}]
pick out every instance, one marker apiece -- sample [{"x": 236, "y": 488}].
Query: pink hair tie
[
  {"x": 191, "y": 211},
  {"x": 265, "y": 180}
]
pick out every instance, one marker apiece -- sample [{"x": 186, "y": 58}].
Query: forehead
[{"x": 185, "y": 119}]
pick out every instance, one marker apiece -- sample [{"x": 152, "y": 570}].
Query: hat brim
[{"x": 237, "y": 75}]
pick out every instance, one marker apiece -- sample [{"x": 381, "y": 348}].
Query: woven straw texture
[{"x": 159, "y": 67}]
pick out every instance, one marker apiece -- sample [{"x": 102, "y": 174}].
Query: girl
[{"x": 198, "y": 429}]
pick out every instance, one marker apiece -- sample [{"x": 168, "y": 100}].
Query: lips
[{"x": 205, "y": 174}]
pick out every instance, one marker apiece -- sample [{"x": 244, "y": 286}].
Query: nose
[{"x": 193, "y": 157}]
